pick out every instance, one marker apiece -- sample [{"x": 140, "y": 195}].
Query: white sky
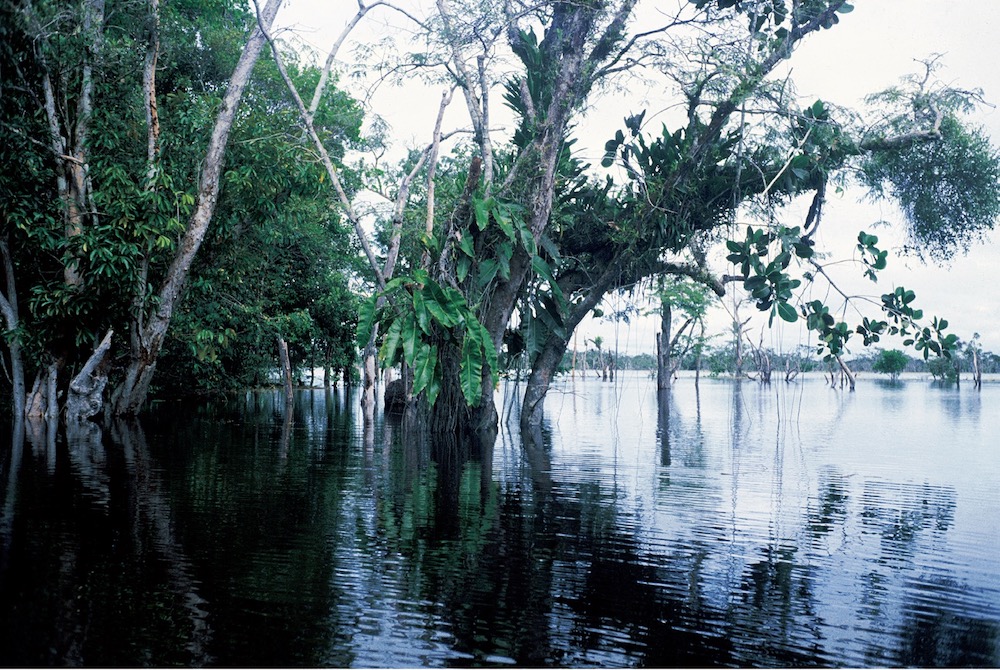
[{"x": 868, "y": 51}]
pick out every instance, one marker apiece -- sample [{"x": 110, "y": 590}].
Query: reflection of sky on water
[
  {"x": 880, "y": 505},
  {"x": 782, "y": 526}
]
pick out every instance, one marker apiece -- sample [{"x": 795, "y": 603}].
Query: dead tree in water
[
  {"x": 846, "y": 376},
  {"x": 762, "y": 361}
]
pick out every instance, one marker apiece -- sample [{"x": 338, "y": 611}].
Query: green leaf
[
  {"x": 504, "y": 253},
  {"x": 410, "y": 335},
  {"x": 487, "y": 271},
  {"x": 502, "y": 215},
  {"x": 481, "y": 209},
  {"x": 366, "y": 320},
  {"x": 471, "y": 372},
  {"x": 542, "y": 269},
  {"x": 445, "y": 307},
  {"x": 424, "y": 365},
  {"x": 465, "y": 244},
  {"x": 490, "y": 351},
  {"x": 433, "y": 390},
  {"x": 527, "y": 239},
  {"x": 462, "y": 267},
  {"x": 787, "y": 312},
  {"x": 391, "y": 342},
  {"x": 421, "y": 312}
]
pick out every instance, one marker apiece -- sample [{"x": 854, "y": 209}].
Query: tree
[
  {"x": 526, "y": 243},
  {"x": 943, "y": 369},
  {"x": 150, "y": 325},
  {"x": 691, "y": 301},
  {"x": 147, "y": 98},
  {"x": 891, "y": 362},
  {"x": 111, "y": 100}
]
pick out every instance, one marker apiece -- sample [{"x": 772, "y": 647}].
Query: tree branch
[{"x": 331, "y": 170}]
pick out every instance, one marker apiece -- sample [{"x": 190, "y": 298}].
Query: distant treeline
[{"x": 722, "y": 360}]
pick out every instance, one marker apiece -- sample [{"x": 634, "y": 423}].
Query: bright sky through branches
[{"x": 871, "y": 49}]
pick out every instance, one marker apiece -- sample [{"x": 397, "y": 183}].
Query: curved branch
[{"x": 331, "y": 170}]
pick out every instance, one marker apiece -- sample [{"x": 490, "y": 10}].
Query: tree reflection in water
[{"x": 245, "y": 534}]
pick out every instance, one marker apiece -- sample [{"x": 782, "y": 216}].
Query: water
[{"x": 729, "y": 525}]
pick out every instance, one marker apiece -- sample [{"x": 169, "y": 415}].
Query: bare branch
[
  {"x": 432, "y": 162},
  {"x": 149, "y": 90},
  {"x": 331, "y": 170}
]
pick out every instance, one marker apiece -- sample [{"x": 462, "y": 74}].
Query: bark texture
[
  {"x": 86, "y": 390},
  {"x": 8, "y": 307},
  {"x": 132, "y": 392}
]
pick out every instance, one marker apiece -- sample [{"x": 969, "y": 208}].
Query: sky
[{"x": 870, "y": 50}]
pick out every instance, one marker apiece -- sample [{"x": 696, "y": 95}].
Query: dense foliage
[
  {"x": 492, "y": 255},
  {"x": 95, "y": 214}
]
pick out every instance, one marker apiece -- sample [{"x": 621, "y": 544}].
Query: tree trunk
[
  {"x": 846, "y": 371},
  {"x": 697, "y": 358},
  {"x": 977, "y": 372},
  {"x": 664, "y": 370},
  {"x": 130, "y": 396},
  {"x": 368, "y": 379},
  {"x": 663, "y": 424},
  {"x": 43, "y": 401},
  {"x": 543, "y": 370},
  {"x": 286, "y": 371},
  {"x": 86, "y": 390},
  {"x": 543, "y": 367},
  {"x": 8, "y": 307}
]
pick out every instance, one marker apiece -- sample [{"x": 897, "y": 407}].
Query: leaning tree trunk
[
  {"x": 846, "y": 372},
  {"x": 286, "y": 371},
  {"x": 131, "y": 394},
  {"x": 86, "y": 390},
  {"x": 8, "y": 307},
  {"x": 543, "y": 367},
  {"x": 664, "y": 368}
]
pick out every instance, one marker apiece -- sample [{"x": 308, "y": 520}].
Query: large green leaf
[
  {"x": 490, "y": 351},
  {"x": 445, "y": 306},
  {"x": 391, "y": 342},
  {"x": 527, "y": 238},
  {"x": 410, "y": 336},
  {"x": 465, "y": 244},
  {"x": 421, "y": 312},
  {"x": 366, "y": 320},
  {"x": 481, "y": 209},
  {"x": 424, "y": 365},
  {"x": 502, "y": 215},
  {"x": 487, "y": 271},
  {"x": 462, "y": 267},
  {"x": 787, "y": 312},
  {"x": 505, "y": 251},
  {"x": 543, "y": 270},
  {"x": 471, "y": 373},
  {"x": 433, "y": 389}
]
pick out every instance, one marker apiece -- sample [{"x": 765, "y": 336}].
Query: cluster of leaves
[
  {"x": 777, "y": 15},
  {"x": 891, "y": 362},
  {"x": 418, "y": 313},
  {"x": 276, "y": 262},
  {"x": 767, "y": 279},
  {"x": 949, "y": 179},
  {"x": 763, "y": 259}
]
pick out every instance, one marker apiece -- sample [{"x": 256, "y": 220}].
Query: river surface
[{"x": 728, "y": 524}]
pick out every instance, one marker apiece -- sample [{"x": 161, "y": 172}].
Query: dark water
[{"x": 784, "y": 526}]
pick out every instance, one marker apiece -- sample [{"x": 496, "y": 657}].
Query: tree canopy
[{"x": 168, "y": 195}]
